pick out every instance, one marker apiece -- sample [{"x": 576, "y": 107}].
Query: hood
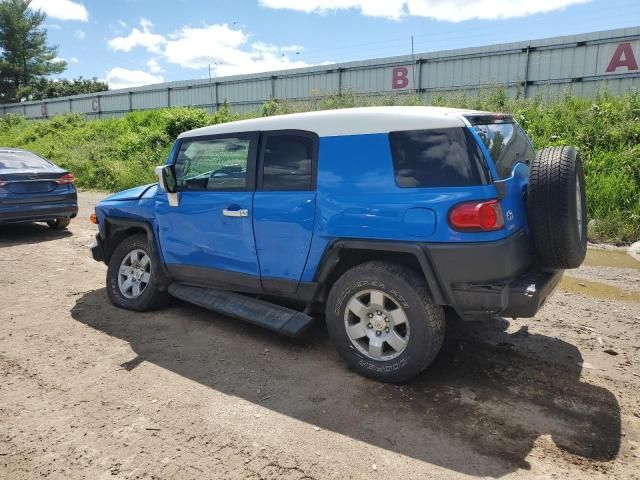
[{"x": 134, "y": 193}]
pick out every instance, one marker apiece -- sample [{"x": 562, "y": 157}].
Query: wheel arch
[
  {"x": 117, "y": 229},
  {"x": 345, "y": 254}
]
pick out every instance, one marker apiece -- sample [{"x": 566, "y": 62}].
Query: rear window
[
  {"x": 287, "y": 162},
  {"x": 507, "y": 145},
  {"x": 22, "y": 161},
  {"x": 445, "y": 157}
]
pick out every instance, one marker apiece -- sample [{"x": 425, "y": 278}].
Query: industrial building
[{"x": 582, "y": 64}]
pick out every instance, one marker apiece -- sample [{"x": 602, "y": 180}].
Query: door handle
[{"x": 235, "y": 213}]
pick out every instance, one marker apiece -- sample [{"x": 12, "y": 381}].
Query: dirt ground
[{"x": 90, "y": 391}]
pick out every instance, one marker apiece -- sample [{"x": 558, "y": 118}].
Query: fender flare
[
  {"x": 116, "y": 225},
  {"x": 331, "y": 259}
]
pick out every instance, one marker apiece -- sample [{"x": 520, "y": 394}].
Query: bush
[{"x": 113, "y": 154}]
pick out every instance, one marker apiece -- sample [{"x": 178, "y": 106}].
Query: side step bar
[{"x": 258, "y": 312}]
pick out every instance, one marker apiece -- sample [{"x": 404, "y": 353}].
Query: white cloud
[
  {"x": 80, "y": 34},
  {"x": 374, "y": 8},
  {"x": 154, "y": 66},
  {"x": 224, "y": 48},
  {"x": 122, "y": 23},
  {"x": 292, "y": 48},
  {"x": 62, "y": 9},
  {"x": 445, "y": 10},
  {"x": 264, "y": 47},
  {"x": 74, "y": 60},
  {"x": 139, "y": 38},
  {"x": 198, "y": 47},
  {"x": 124, "y": 78}
]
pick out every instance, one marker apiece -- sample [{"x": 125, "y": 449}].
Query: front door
[{"x": 208, "y": 238}]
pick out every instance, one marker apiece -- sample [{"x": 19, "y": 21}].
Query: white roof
[{"x": 348, "y": 121}]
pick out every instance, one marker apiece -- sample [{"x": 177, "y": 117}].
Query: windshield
[{"x": 507, "y": 145}]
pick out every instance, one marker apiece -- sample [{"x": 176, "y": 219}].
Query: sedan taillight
[{"x": 66, "y": 179}]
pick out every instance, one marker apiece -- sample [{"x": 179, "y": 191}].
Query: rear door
[
  {"x": 284, "y": 207},
  {"x": 208, "y": 237}
]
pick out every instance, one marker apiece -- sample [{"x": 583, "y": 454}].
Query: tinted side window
[
  {"x": 446, "y": 157},
  {"x": 215, "y": 164},
  {"x": 287, "y": 162},
  {"x": 507, "y": 144}
]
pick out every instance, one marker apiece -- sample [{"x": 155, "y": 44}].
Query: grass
[{"x": 113, "y": 154}]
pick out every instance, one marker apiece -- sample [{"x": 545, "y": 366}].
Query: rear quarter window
[
  {"x": 446, "y": 157},
  {"x": 507, "y": 144}
]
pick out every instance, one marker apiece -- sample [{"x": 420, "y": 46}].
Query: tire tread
[
  {"x": 551, "y": 174},
  {"x": 149, "y": 300},
  {"x": 434, "y": 316}
]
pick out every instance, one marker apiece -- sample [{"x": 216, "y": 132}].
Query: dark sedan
[{"x": 32, "y": 189}]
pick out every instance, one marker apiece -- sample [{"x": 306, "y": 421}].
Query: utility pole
[
  {"x": 413, "y": 66},
  {"x": 210, "y": 90}
]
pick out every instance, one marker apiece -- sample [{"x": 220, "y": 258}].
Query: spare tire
[{"x": 557, "y": 208}]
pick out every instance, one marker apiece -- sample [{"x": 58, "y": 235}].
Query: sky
[{"x": 138, "y": 42}]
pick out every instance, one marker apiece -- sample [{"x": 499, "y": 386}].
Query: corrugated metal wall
[{"x": 582, "y": 64}]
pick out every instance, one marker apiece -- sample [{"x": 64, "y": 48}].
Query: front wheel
[
  {"x": 383, "y": 322},
  {"x": 133, "y": 277}
]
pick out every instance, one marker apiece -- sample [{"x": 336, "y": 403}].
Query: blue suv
[{"x": 382, "y": 218}]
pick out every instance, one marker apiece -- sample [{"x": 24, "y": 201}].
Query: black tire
[
  {"x": 59, "y": 223},
  {"x": 409, "y": 290},
  {"x": 151, "y": 297},
  {"x": 559, "y": 237}
]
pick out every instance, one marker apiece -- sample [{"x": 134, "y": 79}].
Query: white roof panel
[{"x": 350, "y": 121}]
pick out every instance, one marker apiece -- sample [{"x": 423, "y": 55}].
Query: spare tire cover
[{"x": 557, "y": 208}]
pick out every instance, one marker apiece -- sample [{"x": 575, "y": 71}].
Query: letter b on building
[{"x": 399, "y": 78}]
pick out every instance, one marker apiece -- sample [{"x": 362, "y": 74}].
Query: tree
[
  {"x": 44, "y": 88},
  {"x": 25, "y": 56}
]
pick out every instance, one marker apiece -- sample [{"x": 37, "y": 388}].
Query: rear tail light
[
  {"x": 66, "y": 179},
  {"x": 483, "y": 216}
]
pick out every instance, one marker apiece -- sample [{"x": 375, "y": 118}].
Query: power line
[{"x": 397, "y": 46}]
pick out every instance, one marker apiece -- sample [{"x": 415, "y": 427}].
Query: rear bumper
[
  {"x": 35, "y": 212},
  {"x": 496, "y": 278},
  {"x": 521, "y": 297}
]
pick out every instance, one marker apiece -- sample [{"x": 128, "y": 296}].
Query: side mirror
[{"x": 167, "y": 178}]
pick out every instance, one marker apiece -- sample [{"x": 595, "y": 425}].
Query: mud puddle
[
  {"x": 594, "y": 289},
  {"x": 597, "y": 257}
]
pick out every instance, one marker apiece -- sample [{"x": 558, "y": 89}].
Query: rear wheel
[
  {"x": 383, "y": 322},
  {"x": 133, "y": 278},
  {"x": 59, "y": 223}
]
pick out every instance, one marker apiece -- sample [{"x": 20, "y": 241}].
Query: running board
[{"x": 258, "y": 312}]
